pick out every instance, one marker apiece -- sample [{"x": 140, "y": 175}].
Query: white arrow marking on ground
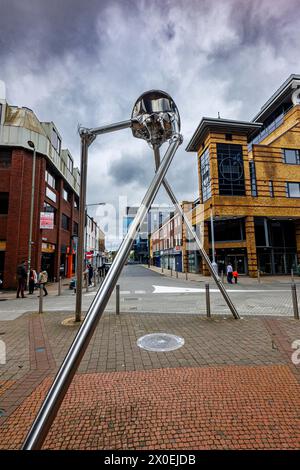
[{"x": 188, "y": 290}]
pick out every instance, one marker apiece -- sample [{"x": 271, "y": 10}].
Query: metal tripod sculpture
[{"x": 155, "y": 118}]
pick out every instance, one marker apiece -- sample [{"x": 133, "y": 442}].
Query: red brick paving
[{"x": 230, "y": 407}]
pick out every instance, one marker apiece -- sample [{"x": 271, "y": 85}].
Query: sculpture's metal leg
[
  {"x": 52, "y": 402},
  {"x": 197, "y": 240}
]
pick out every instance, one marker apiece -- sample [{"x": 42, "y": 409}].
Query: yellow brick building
[{"x": 249, "y": 181}]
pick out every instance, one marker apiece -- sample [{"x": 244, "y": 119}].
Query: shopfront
[{"x": 48, "y": 259}]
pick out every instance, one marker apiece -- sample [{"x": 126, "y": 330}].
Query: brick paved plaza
[{"x": 231, "y": 386}]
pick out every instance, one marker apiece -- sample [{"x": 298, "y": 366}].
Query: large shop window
[
  {"x": 231, "y": 170},
  {"x": 253, "y": 178},
  {"x": 205, "y": 176}
]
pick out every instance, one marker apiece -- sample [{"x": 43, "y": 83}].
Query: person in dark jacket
[
  {"x": 21, "y": 279},
  {"x": 91, "y": 274}
]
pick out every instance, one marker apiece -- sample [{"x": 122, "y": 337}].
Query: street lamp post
[{"x": 31, "y": 145}]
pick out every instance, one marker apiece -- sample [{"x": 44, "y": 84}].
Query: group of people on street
[
  {"x": 231, "y": 274},
  {"x": 33, "y": 279}
]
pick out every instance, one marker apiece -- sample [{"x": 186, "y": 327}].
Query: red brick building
[{"x": 56, "y": 192}]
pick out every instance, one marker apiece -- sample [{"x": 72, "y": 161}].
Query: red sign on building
[{"x": 47, "y": 220}]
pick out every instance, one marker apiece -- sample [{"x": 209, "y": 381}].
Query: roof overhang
[
  {"x": 226, "y": 126},
  {"x": 282, "y": 95}
]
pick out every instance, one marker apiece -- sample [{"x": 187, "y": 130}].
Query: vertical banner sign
[{"x": 47, "y": 220}]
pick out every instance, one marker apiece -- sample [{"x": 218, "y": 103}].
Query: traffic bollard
[
  {"x": 186, "y": 275},
  {"x": 207, "y": 295},
  {"x": 222, "y": 276},
  {"x": 295, "y": 301},
  {"x": 41, "y": 300},
  {"x": 177, "y": 274},
  {"x": 118, "y": 299},
  {"x": 292, "y": 275},
  {"x": 258, "y": 276},
  {"x": 86, "y": 282},
  {"x": 171, "y": 272},
  {"x": 94, "y": 278}
]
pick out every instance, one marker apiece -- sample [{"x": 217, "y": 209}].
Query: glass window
[
  {"x": 76, "y": 203},
  {"x": 75, "y": 228},
  {"x": 49, "y": 208},
  {"x": 5, "y": 157},
  {"x": 271, "y": 188},
  {"x": 4, "y": 203},
  {"x": 231, "y": 170},
  {"x": 65, "y": 222},
  {"x": 55, "y": 141},
  {"x": 293, "y": 189},
  {"x": 291, "y": 156},
  {"x": 253, "y": 178},
  {"x": 65, "y": 195},
  {"x": 205, "y": 175},
  {"x": 70, "y": 164},
  {"x": 50, "y": 179}
]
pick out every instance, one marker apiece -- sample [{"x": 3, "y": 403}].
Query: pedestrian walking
[
  {"x": 43, "y": 279},
  {"x": 235, "y": 276},
  {"x": 21, "y": 278},
  {"x": 32, "y": 280},
  {"x": 229, "y": 271},
  {"x": 90, "y": 273}
]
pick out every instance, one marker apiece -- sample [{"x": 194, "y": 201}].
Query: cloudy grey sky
[{"x": 86, "y": 62}]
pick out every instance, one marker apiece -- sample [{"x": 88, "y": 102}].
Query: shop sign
[
  {"x": 2, "y": 245},
  {"x": 47, "y": 220},
  {"x": 48, "y": 248}
]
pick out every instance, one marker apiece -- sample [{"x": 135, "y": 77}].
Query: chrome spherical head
[{"x": 155, "y": 118}]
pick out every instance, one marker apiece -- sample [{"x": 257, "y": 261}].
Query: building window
[
  {"x": 70, "y": 164},
  {"x": 293, "y": 189},
  {"x": 65, "y": 195},
  {"x": 4, "y": 203},
  {"x": 228, "y": 136},
  {"x": 5, "y": 158},
  {"x": 231, "y": 170},
  {"x": 75, "y": 228},
  {"x": 205, "y": 176},
  {"x": 271, "y": 188},
  {"x": 291, "y": 156},
  {"x": 65, "y": 222},
  {"x": 55, "y": 141},
  {"x": 76, "y": 203},
  {"x": 50, "y": 180},
  {"x": 253, "y": 178},
  {"x": 49, "y": 208}
]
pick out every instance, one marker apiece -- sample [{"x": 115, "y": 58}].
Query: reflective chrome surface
[{"x": 155, "y": 117}]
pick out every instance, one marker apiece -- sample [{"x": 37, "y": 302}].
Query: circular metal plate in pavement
[{"x": 160, "y": 342}]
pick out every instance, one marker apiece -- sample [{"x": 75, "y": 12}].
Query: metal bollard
[
  {"x": 295, "y": 301},
  {"x": 59, "y": 285},
  {"x": 177, "y": 274},
  {"x": 207, "y": 295},
  {"x": 86, "y": 282},
  {"x": 41, "y": 300},
  {"x": 94, "y": 278},
  {"x": 171, "y": 272},
  {"x": 222, "y": 276},
  {"x": 118, "y": 299},
  {"x": 258, "y": 276},
  {"x": 186, "y": 275},
  {"x": 162, "y": 269},
  {"x": 292, "y": 275}
]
